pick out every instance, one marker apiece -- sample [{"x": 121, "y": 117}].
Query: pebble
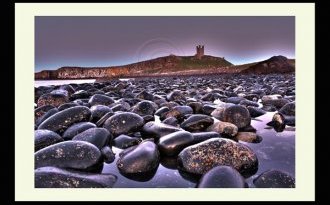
[
  {"x": 222, "y": 177},
  {"x": 201, "y": 157},
  {"x": 60, "y": 121},
  {"x": 172, "y": 144},
  {"x": 99, "y": 99},
  {"x": 124, "y": 141},
  {"x": 197, "y": 122},
  {"x": 158, "y": 129},
  {"x": 98, "y": 111},
  {"x": 142, "y": 158},
  {"x": 123, "y": 123},
  {"x": 224, "y": 128},
  {"x": 45, "y": 138},
  {"x": 274, "y": 179},
  {"x": 54, "y": 99},
  {"x": 68, "y": 154},
  {"x": 237, "y": 115},
  {"x": 96, "y": 136},
  {"x": 53, "y": 177},
  {"x": 77, "y": 128}
]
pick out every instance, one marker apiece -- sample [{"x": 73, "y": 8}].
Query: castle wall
[{"x": 199, "y": 51}]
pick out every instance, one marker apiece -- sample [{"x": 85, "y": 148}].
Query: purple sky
[{"x": 109, "y": 41}]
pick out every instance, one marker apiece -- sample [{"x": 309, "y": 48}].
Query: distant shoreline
[{"x": 64, "y": 79}]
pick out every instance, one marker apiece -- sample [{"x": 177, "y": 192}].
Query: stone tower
[{"x": 199, "y": 51}]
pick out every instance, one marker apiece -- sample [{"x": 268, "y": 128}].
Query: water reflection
[
  {"x": 169, "y": 162},
  {"x": 276, "y": 150},
  {"x": 141, "y": 177}
]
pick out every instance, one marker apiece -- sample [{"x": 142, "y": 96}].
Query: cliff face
[
  {"x": 275, "y": 64},
  {"x": 162, "y": 65},
  {"x": 172, "y": 65}
]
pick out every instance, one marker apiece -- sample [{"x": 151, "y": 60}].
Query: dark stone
[
  {"x": 130, "y": 101},
  {"x": 148, "y": 118},
  {"x": 172, "y": 144},
  {"x": 67, "y": 88},
  {"x": 98, "y": 111},
  {"x": 234, "y": 100},
  {"x": 222, "y": 177},
  {"x": 274, "y": 179},
  {"x": 40, "y": 111},
  {"x": 179, "y": 112},
  {"x": 55, "y": 99},
  {"x": 202, "y": 136},
  {"x": 207, "y": 97},
  {"x": 288, "y": 109},
  {"x": 290, "y": 120},
  {"x": 67, "y": 105},
  {"x": 212, "y": 97},
  {"x": 68, "y": 154},
  {"x": 277, "y": 103},
  {"x": 269, "y": 108},
  {"x": 208, "y": 109},
  {"x": 170, "y": 105},
  {"x": 77, "y": 128},
  {"x": 120, "y": 86},
  {"x": 108, "y": 154},
  {"x": 144, "y": 95},
  {"x": 278, "y": 122},
  {"x": 101, "y": 121},
  {"x": 60, "y": 121},
  {"x": 97, "y": 136},
  {"x": 53, "y": 177},
  {"x": 197, "y": 122},
  {"x": 175, "y": 95},
  {"x": 224, "y": 128},
  {"x": 142, "y": 158},
  {"x": 122, "y": 106},
  {"x": 159, "y": 101},
  {"x": 171, "y": 121},
  {"x": 201, "y": 157},
  {"x": 44, "y": 138},
  {"x": 218, "y": 112},
  {"x": 44, "y": 117},
  {"x": 197, "y": 107},
  {"x": 123, "y": 123},
  {"x": 250, "y": 137},
  {"x": 99, "y": 99},
  {"x": 249, "y": 103},
  {"x": 157, "y": 129},
  {"x": 238, "y": 115},
  {"x": 80, "y": 94},
  {"x": 194, "y": 178},
  {"x": 252, "y": 97},
  {"x": 255, "y": 112},
  {"x": 124, "y": 141},
  {"x": 58, "y": 91},
  {"x": 145, "y": 107},
  {"x": 169, "y": 162},
  {"x": 141, "y": 176},
  {"x": 161, "y": 111},
  {"x": 248, "y": 128}
]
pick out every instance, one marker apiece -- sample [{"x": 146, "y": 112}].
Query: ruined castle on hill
[
  {"x": 199, "y": 51},
  {"x": 166, "y": 65}
]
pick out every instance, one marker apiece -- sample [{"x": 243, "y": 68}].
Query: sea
[{"x": 38, "y": 83}]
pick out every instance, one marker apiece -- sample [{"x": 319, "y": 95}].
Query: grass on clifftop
[{"x": 193, "y": 63}]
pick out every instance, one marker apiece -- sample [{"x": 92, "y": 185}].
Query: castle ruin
[{"x": 199, "y": 51}]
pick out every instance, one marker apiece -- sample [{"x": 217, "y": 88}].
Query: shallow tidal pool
[{"x": 275, "y": 151}]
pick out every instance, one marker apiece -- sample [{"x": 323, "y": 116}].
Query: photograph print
[{"x": 164, "y": 102}]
